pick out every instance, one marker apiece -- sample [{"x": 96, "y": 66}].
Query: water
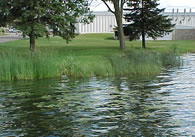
[{"x": 162, "y": 106}]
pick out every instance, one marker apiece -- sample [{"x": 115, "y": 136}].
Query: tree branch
[
  {"x": 108, "y": 6},
  {"x": 124, "y": 1}
]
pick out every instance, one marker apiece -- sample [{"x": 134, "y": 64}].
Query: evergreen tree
[
  {"x": 35, "y": 17},
  {"x": 147, "y": 19}
]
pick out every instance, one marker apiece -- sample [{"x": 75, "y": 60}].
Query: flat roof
[{"x": 165, "y": 13}]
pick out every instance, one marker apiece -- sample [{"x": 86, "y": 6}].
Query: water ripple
[{"x": 164, "y": 106}]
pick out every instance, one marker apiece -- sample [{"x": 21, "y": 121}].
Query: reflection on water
[{"x": 164, "y": 106}]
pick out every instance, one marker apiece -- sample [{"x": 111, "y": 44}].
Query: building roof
[{"x": 106, "y": 13}]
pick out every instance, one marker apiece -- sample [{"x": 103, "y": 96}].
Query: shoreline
[{"x": 87, "y": 56}]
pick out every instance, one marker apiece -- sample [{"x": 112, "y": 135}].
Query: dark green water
[{"x": 162, "y": 106}]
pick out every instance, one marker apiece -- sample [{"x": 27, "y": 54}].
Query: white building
[{"x": 104, "y": 22}]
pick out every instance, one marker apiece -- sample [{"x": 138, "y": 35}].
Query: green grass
[{"x": 88, "y": 55}]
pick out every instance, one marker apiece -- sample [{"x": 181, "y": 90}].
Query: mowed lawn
[{"x": 95, "y": 45}]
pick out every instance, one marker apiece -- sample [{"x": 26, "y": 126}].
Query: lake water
[{"x": 162, "y": 106}]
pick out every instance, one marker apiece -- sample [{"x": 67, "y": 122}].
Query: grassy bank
[{"x": 86, "y": 56}]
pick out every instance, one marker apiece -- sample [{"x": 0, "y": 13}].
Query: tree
[
  {"x": 36, "y": 17},
  {"x": 147, "y": 19},
  {"x": 118, "y": 12}
]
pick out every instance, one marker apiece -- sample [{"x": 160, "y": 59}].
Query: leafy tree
[
  {"x": 147, "y": 19},
  {"x": 118, "y": 12},
  {"x": 36, "y": 17}
]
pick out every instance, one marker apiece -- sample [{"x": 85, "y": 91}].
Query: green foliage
[
  {"x": 88, "y": 55},
  {"x": 36, "y": 17},
  {"x": 143, "y": 62},
  {"x": 171, "y": 58},
  {"x": 24, "y": 66},
  {"x": 81, "y": 61},
  {"x": 42, "y": 65},
  {"x": 147, "y": 19}
]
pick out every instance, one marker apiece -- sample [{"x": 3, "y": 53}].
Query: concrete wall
[
  {"x": 184, "y": 34},
  {"x": 168, "y": 36}
]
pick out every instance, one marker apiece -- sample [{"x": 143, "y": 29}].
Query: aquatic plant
[
  {"x": 143, "y": 62},
  {"x": 51, "y": 64},
  {"x": 87, "y": 56}
]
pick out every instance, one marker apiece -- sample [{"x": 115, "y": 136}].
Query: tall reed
[
  {"x": 143, "y": 62},
  {"x": 17, "y": 65}
]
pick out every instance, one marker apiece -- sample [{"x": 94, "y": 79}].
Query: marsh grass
[
  {"x": 86, "y": 67},
  {"x": 143, "y": 62},
  {"x": 26, "y": 66},
  {"x": 42, "y": 65},
  {"x": 87, "y": 56}
]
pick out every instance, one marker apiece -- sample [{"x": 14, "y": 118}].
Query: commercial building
[{"x": 104, "y": 22}]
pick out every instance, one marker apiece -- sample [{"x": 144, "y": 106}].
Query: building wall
[
  {"x": 104, "y": 22},
  {"x": 184, "y": 34}
]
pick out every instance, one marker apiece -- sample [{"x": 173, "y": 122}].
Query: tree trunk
[
  {"x": 143, "y": 26},
  {"x": 121, "y": 35},
  {"x": 143, "y": 40},
  {"x": 32, "y": 42},
  {"x": 119, "y": 16},
  {"x": 118, "y": 7}
]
